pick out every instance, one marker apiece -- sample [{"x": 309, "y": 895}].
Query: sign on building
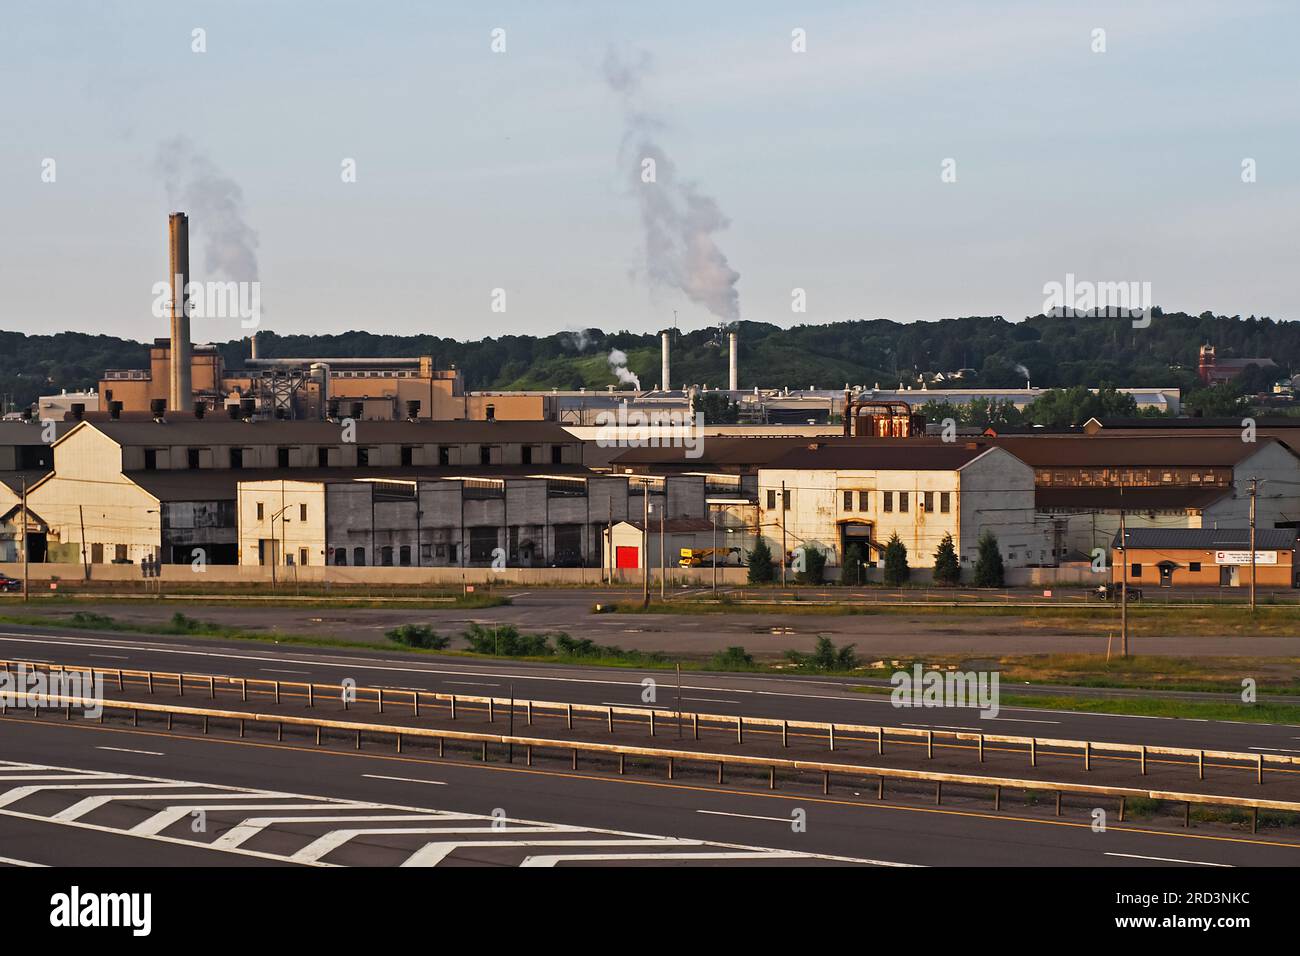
[{"x": 1243, "y": 557}]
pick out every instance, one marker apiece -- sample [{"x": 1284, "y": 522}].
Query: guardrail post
[
  {"x": 1144, "y": 760},
  {"x": 672, "y": 769},
  {"x": 415, "y": 704},
  {"x": 169, "y": 720},
  {"x": 929, "y": 744},
  {"x": 1187, "y": 814},
  {"x": 1122, "y": 802},
  {"x": 483, "y": 752},
  {"x": 652, "y": 723},
  {"x": 119, "y": 679},
  {"x": 771, "y": 778},
  {"x": 1058, "y": 803},
  {"x": 609, "y": 718},
  {"x": 1259, "y": 768},
  {"x": 212, "y": 688},
  {"x": 149, "y": 681},
  {"x": 574, "y": 765},
  {"x": 279, "y": 730},
  {"x": 622, "y": 765},
  {"x": 826, "y": 781},
  {"x": 243, "y": 688},
  {"x": 785, "y": 733},
  {"x": 1087, "y": 755},
  {"x": 399, "y": 743},
  {"x": 453, "y": 706},
  {"x": 1033, "y": 751},
  {"x": 277, "y": 692},
  {"x": 380, "y": 692},
  {"x": 997, "y": 798},
  {"x": 205, "y": 723},
  {"x": 180, "y": 685},
  {"x": 880, "y": 740},
  {"x": 311, "y": 694},
  {"x": 880, "y": 789},
  {"x": 938, "y": 792},
  {"x": 740, "y": 730},
  {"x": 719, "y": 771},
  {"x": 358, "y": 740},
  {"x": 695, "y": 725},
  {"x": 241, "y": 726},
  {"x": 831, "y": 735},
  {"x": 441, "y": 741},
  {"x": 135, "y": 718},
  {"x": 528, "y": 756},
  {"x": 492, "y": 710},
  {"x": 317, "y": 736},
  {"x": 1254, "y": 819},
  {"x": 1200, "y": 764},
  {"x": 68, "y": 714},
  {"x": 981, "y": 748},
  {"x": 568, "y": 716},
  {"x": 528, "y": 712}
]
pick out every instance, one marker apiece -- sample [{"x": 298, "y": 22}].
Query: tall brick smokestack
[
  {"x": 733, "y": 374},
  {"x": 665, "y": 370},
  {"x": 180, "y": 391}
]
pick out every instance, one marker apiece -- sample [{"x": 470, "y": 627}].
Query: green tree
[
  {"x": 759, "y": 561},
  {"x": 814, "y": 566},
  {"x": 947, "y": 570},
  {"x": 989, "y": 571},
  {"x": 896, "y": 569},
  {"x": 852, "y": 572}
]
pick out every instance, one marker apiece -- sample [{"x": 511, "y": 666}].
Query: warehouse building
[{"x": 1205, "y": 557}]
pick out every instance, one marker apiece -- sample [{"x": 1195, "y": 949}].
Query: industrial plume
[
  {"x": 216, "y": 204},
  {"x": 618, "y": 365},
  {"x": 679, "y": 222}
]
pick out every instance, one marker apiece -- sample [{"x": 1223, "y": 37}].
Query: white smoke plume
[
  {"x": 215, "y": 204},
  {"x": 618, "y": 365},
  {"x": 678, "y": 220}
]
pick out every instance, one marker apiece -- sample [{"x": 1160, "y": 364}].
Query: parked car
[
  {"x": 1111, "y": 592},
  {"x": 10, "y": 584}
]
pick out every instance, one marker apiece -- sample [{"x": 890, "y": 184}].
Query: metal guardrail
[
  {"x": 671, "y": 757},
  {"x": 1259, "y": 762}
]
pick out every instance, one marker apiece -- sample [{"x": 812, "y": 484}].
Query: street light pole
[
  {"x": 645, "y": 543},
  {"x": 1254, "y": 488}
]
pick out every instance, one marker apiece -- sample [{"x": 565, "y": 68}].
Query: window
[
  {"x": 771, "y": 498},
  {"x": 945, "y": 502},
  {"x": 408, "y": 456},
  {"x": 150, "y": 459},
  {"x": 236, "y": 458},
  {"x": 1137, "y": 570},
  {"x": 359, "y": 556},
  {"x": 928, "y": 503},
  {"x": 864, "y": 501},
  {"x": 453, "y": 552},
  {"x": 785, "y": 500},
  {"x": 322, "y": 457},
  {"x": 192, "y": 458},
  {"x": 903, "y": 497},
  {"x": 848, "y": 501},
  {"x": 386, "y": 555},
  {"x": 889, "y": 501},
  {"x": 302, "y": 513},
  {"x": 363, "y": 457},
  {"x": 282, "y": 458},
  {"x": 527, "y": 451},
  {"x": 341, "y": 556},
  {"x": 485, "y": 454},
  {"x": 259, "y": 511},
  {"x": 1193, "y": 565},
  {"x": 557, "y": 454},
  {"x": 404, "y": 556},
  {"x": 302, "y": 556},
  {"x": 444, "y": 455}
]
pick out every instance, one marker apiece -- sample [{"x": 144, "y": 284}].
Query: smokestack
[
  {"x": 733, "y": 379},
  {"x": 157, "y": 408},
  {"x": 252, "y": 346},
  {"x": 664, "y": 377},
  {"x": 180, "y": 392}
]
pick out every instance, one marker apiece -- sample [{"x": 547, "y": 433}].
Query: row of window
[
  {"x": 1135, "y": 570},
  {"x": 364, "y": 454},
  {"x": 302, "y": 512},
  {"x": 925, "y": 501}
]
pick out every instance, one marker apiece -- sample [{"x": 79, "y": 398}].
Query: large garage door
[{"x": 626, "y": 557}]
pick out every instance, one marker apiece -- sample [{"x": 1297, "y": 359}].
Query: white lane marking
[
  {"x": 380, "y": 776},
  {"x": 431, "y": 854},
  {"x": 711, "y": 700},
  {"x": 277, "y": 670},
  {"x": 1165, "y": 859},
  {"x": 1280, "y": 749},
  {"x": 12, "y": 862},
  {"x": 941, "y": 727},
  {"x": 111, "y": 657},
  {"x": 743, "y": 816},
  {"x": 639, "y": 708},
  {"x": 470, "y": 683},
  {"x": 554, "y": 858},
  {"x": 82, "y": 807},
  {"x": 1022, "y": 720},
  {"x": 331, "y": 841},
  {"x": 255, "y": 825},
  {"x": 164, "y": 818},
  {"x": 127, "y": 750},
  {"x": 18, "y": 793}
]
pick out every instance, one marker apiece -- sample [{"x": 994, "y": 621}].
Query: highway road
[
  {"x": 128, "y": 796},
  {"x": 795, "y": 698}
]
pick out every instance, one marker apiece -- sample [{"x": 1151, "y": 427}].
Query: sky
[{"x": 497, "y": 191}]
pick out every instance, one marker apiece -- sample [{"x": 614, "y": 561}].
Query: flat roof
[
  {"x": 225, "y": 431},
  {"x": 1209, "y": 539}
]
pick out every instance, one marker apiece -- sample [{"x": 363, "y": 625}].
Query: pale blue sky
[{"x": 479, "y": 170}]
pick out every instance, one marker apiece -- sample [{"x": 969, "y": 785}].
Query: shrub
[
  {"x": 896, "y": 569},
  {"x": 814, "y": 566},
  {"x": 947, "y": 570},
  {"x": 853, "y": 572},
  {"x": 826, "y": 656},
  {"x": 760, "y": 563},
  {"x": 419, "y": 635},
  {"x": 733, "y": 658},
  {"x": 988, "y": 569},
  {"x": 506, "y": 641}
]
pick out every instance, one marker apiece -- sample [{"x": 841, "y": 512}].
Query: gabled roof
[
  {"x": 218, "y": 431},
  {"x": 896, "y": 454},
  {"x": 1136, "y": 451}
]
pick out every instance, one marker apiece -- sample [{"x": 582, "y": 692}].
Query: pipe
[{"x": 180, "y": 391}]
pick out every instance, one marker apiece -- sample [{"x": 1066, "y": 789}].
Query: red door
[{"x": 626, "y": 557}]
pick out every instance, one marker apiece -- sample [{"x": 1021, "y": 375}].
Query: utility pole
[
  {"x": 645, "y": 543},
  {"x": 784, "y": 551},
  {"x": 663, "y": 568},
  {"x": 26, "y": 547},
  {"x": 85, "y": 560},
  {"x": 1254, "y": 489},
  {"x": 713, "y": 520},
  {"x": 1123, "y": 593}
]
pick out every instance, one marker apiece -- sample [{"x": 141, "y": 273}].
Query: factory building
[
  {"x": 1204, "y": 557},
  {"x": 833, "y": 494}
]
